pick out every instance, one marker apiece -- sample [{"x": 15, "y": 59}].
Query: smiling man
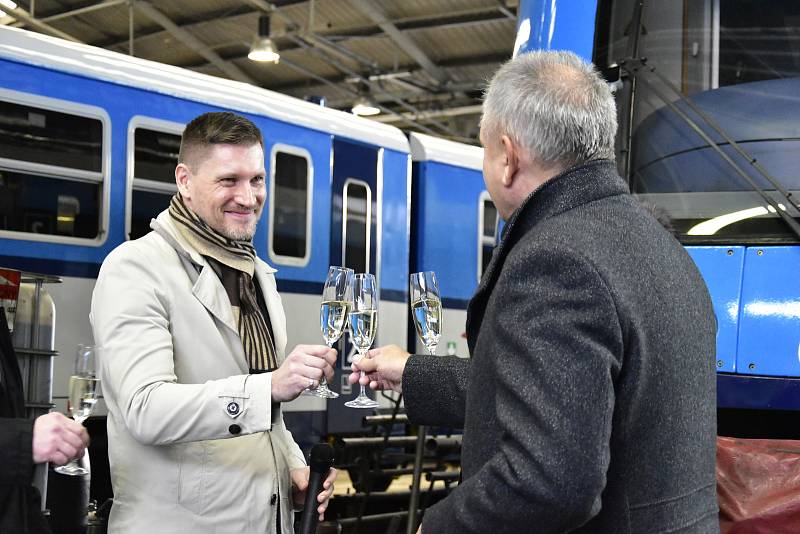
[{"x": 192, "y": 335}]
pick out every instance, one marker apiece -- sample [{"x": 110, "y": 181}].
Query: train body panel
[
  {"x": 723, "y": 268},
  {"x": 703, "y": 60},
  {"x": 47, "y": 84},
  {"x": 449, "y": 197}
]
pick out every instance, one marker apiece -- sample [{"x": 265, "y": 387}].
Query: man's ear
[
  {"x": 511, "y": 152},
  {"x": 182, "y": 179}
]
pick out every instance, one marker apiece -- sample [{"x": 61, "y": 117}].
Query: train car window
[
  {"x": 145, "y": 206},
  {"x": 155, "y": 155},
  {"x": 488, "y": 221},
  {"x": 36, "y": 135},
  {"x": 290, "y": 206},
  {"x": 40, "y": 204},
  {"x": 738, "y": 61},
  {"x": 758, "y": 40},
  {"x": 53, "y": 169},
  {"x": 153, "y": 147},
  {"x": 357, "y": 216}
]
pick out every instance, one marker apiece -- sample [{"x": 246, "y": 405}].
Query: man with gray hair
[{"x": 588, "y": 402}]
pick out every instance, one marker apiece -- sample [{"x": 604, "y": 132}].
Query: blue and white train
[
  {"x": 729, "y": 185},
  {"x": 88, "y": 144}
]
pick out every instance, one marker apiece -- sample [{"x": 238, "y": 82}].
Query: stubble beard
[{"x": 236, "y": 234}]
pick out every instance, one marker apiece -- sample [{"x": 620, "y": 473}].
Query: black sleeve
[
  {"x": 435, "y": 390},
  {"x": 556, "y": 339},
  {"x": 16, "y": 444}
]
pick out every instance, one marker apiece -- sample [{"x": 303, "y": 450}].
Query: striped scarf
[{"x": 236, "y": 261}]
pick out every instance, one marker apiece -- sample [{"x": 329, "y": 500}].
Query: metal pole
[
  {"x": 413, "y": 504},
  {"x": 130, "y": 27},
  {"x": 628, "y": 96}
]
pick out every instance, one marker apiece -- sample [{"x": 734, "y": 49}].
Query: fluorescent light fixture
[
  {"x": 712, "y": 226},
  {"x": 364, "y": 108},
  {"x": 263, "y": 49}
]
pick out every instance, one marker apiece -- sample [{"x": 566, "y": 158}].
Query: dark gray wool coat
[{"x": 588, "y": 403}]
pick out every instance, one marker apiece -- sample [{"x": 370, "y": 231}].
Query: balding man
[{"x": 588, "y": 403}]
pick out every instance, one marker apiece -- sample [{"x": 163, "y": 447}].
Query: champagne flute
[
  {"x": 363, "y": 324},
  {"x": 336, "y": 297},
  {"x": 83, "y": 393},
  {"x": 426, "y": 308}
]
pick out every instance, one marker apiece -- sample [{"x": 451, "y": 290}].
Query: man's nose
[{"x": 246, "y": 195}]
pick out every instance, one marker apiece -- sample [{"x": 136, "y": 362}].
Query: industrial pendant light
[
  {"x": 363, "y": 107},
  {"x": 263, "y": 48}
]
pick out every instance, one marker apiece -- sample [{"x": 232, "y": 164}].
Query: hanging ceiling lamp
[
  {"x": 363, "y": 106},
  {"x": 263, "y": 49}
]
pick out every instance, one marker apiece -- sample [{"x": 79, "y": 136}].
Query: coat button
[
  {"x": 273, "y": 499},
  {"x": 232, "y": 408},
  {"x": 234, "y": 429}
]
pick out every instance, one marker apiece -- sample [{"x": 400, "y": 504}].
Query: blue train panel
[
  {"x": 395, "y": 226},
  {"x": 121, "y": 103},
  {"x": 751, "y": 392},
  {"x": 722, "y": 268},
  {"x": 769, "y": 318},
  {"x": 556, "y": 25},
  {"x": 447, "y": 205}
]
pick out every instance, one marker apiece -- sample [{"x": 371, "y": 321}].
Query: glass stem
[
  {"x": 324, "y": 381},
  {"x": 363, "y": 388}
]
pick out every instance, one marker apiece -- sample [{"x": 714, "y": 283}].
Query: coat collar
[
  {"x": 574, "y": 187},
  {"x": 165, "y": 227},
  {"x": 207, "y": 287}
]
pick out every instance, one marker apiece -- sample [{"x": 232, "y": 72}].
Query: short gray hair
[{"x": 554, "y": 104}]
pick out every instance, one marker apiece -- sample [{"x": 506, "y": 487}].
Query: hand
[
  {"x": 302, "y": 369},
  {"x": 382, "y": 368},
  {"x": 300, "y": 486},
  {"x": 58, "y": 439}
]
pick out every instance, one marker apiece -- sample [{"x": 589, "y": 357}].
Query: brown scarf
[{"x": 236, "y": 262}]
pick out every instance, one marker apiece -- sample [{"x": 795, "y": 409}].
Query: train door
[{"x": 354, "y": 244}]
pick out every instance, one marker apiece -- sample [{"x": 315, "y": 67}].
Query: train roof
[
  {"x": 429, "y": 148},
  {"x": 84, "y": 60}
]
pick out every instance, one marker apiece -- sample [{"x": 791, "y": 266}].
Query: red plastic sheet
[{"x": 758, "y": 486}]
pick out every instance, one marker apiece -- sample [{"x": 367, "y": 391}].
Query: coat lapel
[
  {"x": 208, "y": 289},
  {"x": 574, "y": 187}
]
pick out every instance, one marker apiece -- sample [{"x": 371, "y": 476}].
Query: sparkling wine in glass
[
  {"x": 363, "y": 324},
  {"x": 336, "y": 299},
  {"x": 83, "y": 392},
  {"x": 426, "y": 308}
]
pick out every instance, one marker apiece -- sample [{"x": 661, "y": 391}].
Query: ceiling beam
[
  {"x": 456, "y": 19},
  {"x": 505, "y": 10},
  {"x": 403, "y": 41},
  {"x": 26, "y": 20},
  {"x": 192, "y": 42},
  {"x": 485, "y": 59},
  {"x": 82, "y": 10},
  {"x": 429, "y": 114}
]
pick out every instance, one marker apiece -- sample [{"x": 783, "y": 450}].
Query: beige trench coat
[{"x": 183, "y": 457}]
